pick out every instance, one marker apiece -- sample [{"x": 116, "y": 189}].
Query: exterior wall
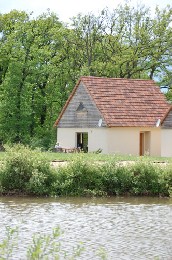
[
  {"x": 147, "y": 142},
  {"x": 166, "y": 136},
  {"x": 89, "y": 117},
  {"x": 155, "y": 142},
  {"x": 66, "y": 137},
  {"x": 167, "y": 123},
  {"x": 123, "y": 140},
  {"x": 166, "y": 143},
  {"x": 117, "y": 140},
  {"x": 126, "y": 140},
  {"x": 97, "y": 138}
]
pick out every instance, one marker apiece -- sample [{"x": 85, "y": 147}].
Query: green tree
[
  {"x": 41, "y": 59},
  {"x": 127, "y": 42},
  {"x": 28, "y": 82}
]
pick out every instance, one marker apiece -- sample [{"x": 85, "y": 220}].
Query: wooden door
[{"x": 141, "y": 144}]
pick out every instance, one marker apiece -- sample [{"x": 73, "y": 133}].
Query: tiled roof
[{"x": 125, "y": 102}]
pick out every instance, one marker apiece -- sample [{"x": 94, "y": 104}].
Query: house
[{"x": 117, "y": 116}]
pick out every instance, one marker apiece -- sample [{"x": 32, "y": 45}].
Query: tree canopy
[{"x": 41, "y": 59}]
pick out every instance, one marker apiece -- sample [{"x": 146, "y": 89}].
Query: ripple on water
[{"x": 126, "y": 230}]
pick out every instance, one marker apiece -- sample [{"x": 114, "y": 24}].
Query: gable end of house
[
  {"x": 80, "y": 111},
  {"x": 116, "y": 102},
  {"x": 167, "y": 121}
]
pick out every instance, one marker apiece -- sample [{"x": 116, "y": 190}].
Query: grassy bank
[{"x": 25, "y": 171}]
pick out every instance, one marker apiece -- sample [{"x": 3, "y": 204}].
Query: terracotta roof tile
[{"x": 125, "y": 102}]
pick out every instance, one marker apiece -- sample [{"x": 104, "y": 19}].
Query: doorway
[
  {"x": 144, "y": 143},
  {"x": 82, "y": 141}
]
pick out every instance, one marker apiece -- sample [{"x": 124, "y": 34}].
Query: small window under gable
[
  {"x": 81, "y": 111},
  {"x": 80, "y": 107}
]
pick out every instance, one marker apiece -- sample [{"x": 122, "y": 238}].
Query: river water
[{"x": 120, "y": 228}]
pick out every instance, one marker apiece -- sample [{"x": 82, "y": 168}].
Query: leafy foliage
[
  {"x": 24, "y": 171},
  {"x": 78, "y": 178},
  {"x": 9, "y": 243},
  {"x": 146, "y": 178},
  {"x": 42, "y": 247},
  {"x": 116, "y": 179},
  {"x": 41, "y": 60}
]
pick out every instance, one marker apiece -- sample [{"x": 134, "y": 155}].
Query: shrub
[
  {"x": 25, "y": 171},
  {"x": 146, "y": 179},
  {"x": 166, "y": 181},
  {"x": 79, "y": 178},
  {"x": 116, "y": 179},
  {"x": 28, "y": 171}
]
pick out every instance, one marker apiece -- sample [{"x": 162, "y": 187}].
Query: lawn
[
  {"x": 51, "y": 156},
  {"x": 102, "y": 157}
]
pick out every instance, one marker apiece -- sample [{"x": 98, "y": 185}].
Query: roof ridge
[
  {"x": 109, "y": 78},
  {"x": 124, "y": 102}
]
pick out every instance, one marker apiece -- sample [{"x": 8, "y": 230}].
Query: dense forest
[{"x": 42, "y": 58}]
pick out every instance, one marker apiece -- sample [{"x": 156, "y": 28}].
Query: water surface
[{"x": 126, "y": 228}]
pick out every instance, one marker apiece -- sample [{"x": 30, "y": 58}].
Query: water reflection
[{"x": 128, "y": 228}]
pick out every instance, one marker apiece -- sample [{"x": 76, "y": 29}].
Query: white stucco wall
[
  {"x": 166, "y": 142},
  {"x": 117, "y": 140},
  {"x": 123, "y": 140},
  {"x": 126, "y": 140},
  {"x": 155, "y": 141},
  {"x": 97, "y": 138},
  {"x": 66, "y": 137}
]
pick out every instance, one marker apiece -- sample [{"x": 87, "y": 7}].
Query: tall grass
[
  {"x": 26, "y": 171},
  {"x": 92, "y": 157},
  {"x": 42, "y": 246}
]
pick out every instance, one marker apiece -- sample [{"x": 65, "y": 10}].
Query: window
[{"x": 81, "y": 111}]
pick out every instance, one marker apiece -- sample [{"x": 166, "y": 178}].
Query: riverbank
[{"x": 28, "y": 172}]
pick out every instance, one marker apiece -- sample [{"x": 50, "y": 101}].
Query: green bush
[
  {"x": 109, "y": 179},
  {"x": 166, "y": 181},
  {"x": 79, "y": 178},
  {"x": 25, "y": 171},
  {"x": 147, "y": 179},
  {"x": 28, "y": 171},
  {"x": 116, "y": 180}
]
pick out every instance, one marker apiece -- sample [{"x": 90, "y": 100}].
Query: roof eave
[
  {"x": 166, "y": 114},
  {"x": 67, "y": 102}
]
